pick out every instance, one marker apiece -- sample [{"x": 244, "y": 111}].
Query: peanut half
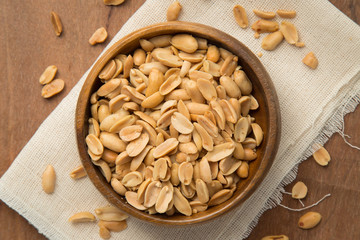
[
  {"x": 48, "y": 179},
  {"x": 82, "y": 217},
  {"x": 52, "y": 88},
  {"x": 99, "y": 36},
  {"x": 309, "y": 220},
  {"x": 286, "y": 13},
  {"x": 299, "y": 190},
  {"x": 322, "y": 156},
  {"x": 173, "y": 11},
  {"x": 277, "y": 237},
  {"x": 240, "y": 16},
  {"x": 263, "y": 14},
  {"x": 56, "y": 22},
  {"x": 48, "y": 75},
  {"x": 310, "y": 60}
]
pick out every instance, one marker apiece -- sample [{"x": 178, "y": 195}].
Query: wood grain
[{"x": 29, "y": 45}]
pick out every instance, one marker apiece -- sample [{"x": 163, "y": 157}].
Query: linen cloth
[{"x": 309, "y": 100}]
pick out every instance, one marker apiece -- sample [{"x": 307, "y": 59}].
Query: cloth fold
[{"x": 309, "y": 100}]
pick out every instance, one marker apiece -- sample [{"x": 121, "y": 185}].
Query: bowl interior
[{"x": 267, "y": 116}]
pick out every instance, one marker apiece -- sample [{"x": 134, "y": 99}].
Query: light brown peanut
[
  {"x": 310, "y": 60},
  {"x": 113, "y": 2},
  {"x": 99, "y": 36},
  {"x": 271, "y": 41},
  {"x": 52, "y": 88},
  {"x": 309, "y": 220},
  {"x": 241, "y": 16},
  {"x": 48, "y": 75},
  {"x": 263, "y": 14},
  {"x": 56, "y": 22},
  {"x": 173, "y": 11},
  {"x": 48, "y": 179},
  {"x": 286, "y": 13}
]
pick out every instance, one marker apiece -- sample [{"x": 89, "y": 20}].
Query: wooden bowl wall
[{"x": 267, "y": 116}]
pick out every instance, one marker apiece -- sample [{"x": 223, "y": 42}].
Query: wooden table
[{"x": 29, "y": 45}]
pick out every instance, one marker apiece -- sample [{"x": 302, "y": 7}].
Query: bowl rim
[{"x": 196, "y": 29}]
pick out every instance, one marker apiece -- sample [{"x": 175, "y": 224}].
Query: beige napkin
[{"x": 312, "y": 106}]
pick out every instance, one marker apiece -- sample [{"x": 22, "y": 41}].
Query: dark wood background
[{"x": 29, "y": 45}]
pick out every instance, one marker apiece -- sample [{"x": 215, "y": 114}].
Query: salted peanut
[
  {"x": 277, "y": 237},
  {"x": 151, "y": 193},
  {"x": 271, "y": 41},
  {"x": 93, "y": 156},
  {"x": 229, "y": 66},
  {"x": 56, "y": 22},
  {"x": 128, "y": 65},
  {"x": 94, "y": 127},
  {"x": 249, "y": 154},
  {"x": 214, "y": 167},
  {"x": 208, "y": 125},
  {"x": 211, "y": 68},
  {"x": 225, "y": 53},
  {"x": 249, "y": 143},
  {"x": 112, "y": 142},
  {"x": 194, "y": 93},
  {"x": 142, "y": 189},
  {"x": 78, "y": 172},
  {"x": 48, "y": 75},
  {"x": 132, "y": 179},
  {"x": 213, "y": 54},
  {"x": 161, "y": 41},
  {"x": 262, "y": 26},
  {"x": 220, "y": 197},
  {"x": 198, "y": 206},
  {"x": 253, "y": 103},
  {"x": 221, "y": 92},
  {"x": 141, "y": 75},
  {"x": 240, "y": 16},
  {"x": 167, "y": 106},
  {"x": 109, "y": 86},
  {"x": 131, "y": 198},
  {"x": 220, "y": 151},
  {"x": 218, "y": 113},
  {"x": 165, "y": 119},
  {"x": 202, "y": 191},
  {"x": 185, "y": 172},
  {"x": 185, "y": 68},
  {"x": 159, "y": 139},
  {"x": 245, "y": 102},
  {"x": 239, "y": 151},
  {"x": 146, "y": 68},
  {"x": 259, "y": 134},
  {"x": 52, "y": 88},
  {"x": 207, "y": 89},
  {"x": 134, "y": 95},
  {"x": 191, "y": 57},
  {"x": 122, "y": 123},
  {"x": 164, "y": 199},
  {"x": 210, "y": 115},
  {"x": 139, "y": 57},
  {"x": 110, "y": 213},
  {"x": 289, "y": 31},
  {"x": 205, "y": 171},
  {"x": 104, "y": 169},
  {"x": 263, "y": 14},
  {"x": 195, "y": 75},
  {"x": 148, "y": 172},
  {"x": 174, "y": 174},
  {"x": 184, "y": 42},
  {"x": 146, "y": 118},
  {"x": 299, "y": 190},
  {"x": 322, "y": 156},
  {"x": 137, "y": 161},
  {"x": 170, "y": 84},
  {"x": 117, "y": 102},
  {"x": 230, "y": 86},
  {"x": 197, "y": 108},
  {"x": 168, "y": 59},
  {"x": 82, "y": 217},
  {"x": 206, "y": 139},
  {"x": 181, "y": 123},
  {"x": 109, "y": 156},
  {"x": 94, "y": 144},
  {"x": 286, "y": 13},
  {"x": 181, "y": 203},
  {"x": 197, "y": 139},
  {"x": 243, "y": 170},
  {"x": 136, "y": 146},
  {"x": 309, "y": 220},
  {"x": 243, "y": 82},
  {"x": 99, "y": 36},
  {"x": 213, "y": 187},
  {"x": 119, "y": 67},
  {"x": 160, "y": 169},
  {"x": 103, "y": 112},
  {"x": 153, "y": 100},
  {"x": 146, "y": 45},
  {"x": 229, "y": 165},
  {"x": 310, "y": 60},
  {"x": 48, "y": 179},
  {"x": 118, "y": 186},
  {"x": 131, "y": 106},
  {"x": 183, "y": 109},
  {"x": 173, "y": 11},
  {"x": 229, "y": 111},
  {"x": 113, "y": 226}
]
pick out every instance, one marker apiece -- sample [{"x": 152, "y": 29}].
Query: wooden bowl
[{"x": 267, "y": 116}]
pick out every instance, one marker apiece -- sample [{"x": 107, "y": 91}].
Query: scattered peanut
[
  {"x": 310, "y": 60},
  {"x": 56, "y": 22},
  {"x": 286, "y": 13},
  {"x": 277, "y": 237},
  {"x": 78, "y": 172},
  {"x": 322, "y": 156},
  {"x": 299, "y": 190},
  {"x": 48, "y": 179},
  {"x": 309, "y": 220},
  {"x": 99, "y": 36},
  {"x": 263, "y": 14},
  {"x": 48, "y": 75},
  {"x": 271, "y": 41},
  {"x": 52, "y": 88},
  {"x": 113, "y": 2},
  {"x": 82, "y": 217},
  {"x": 173, "y": 11},
  {"x": 240, "y": 16}
]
